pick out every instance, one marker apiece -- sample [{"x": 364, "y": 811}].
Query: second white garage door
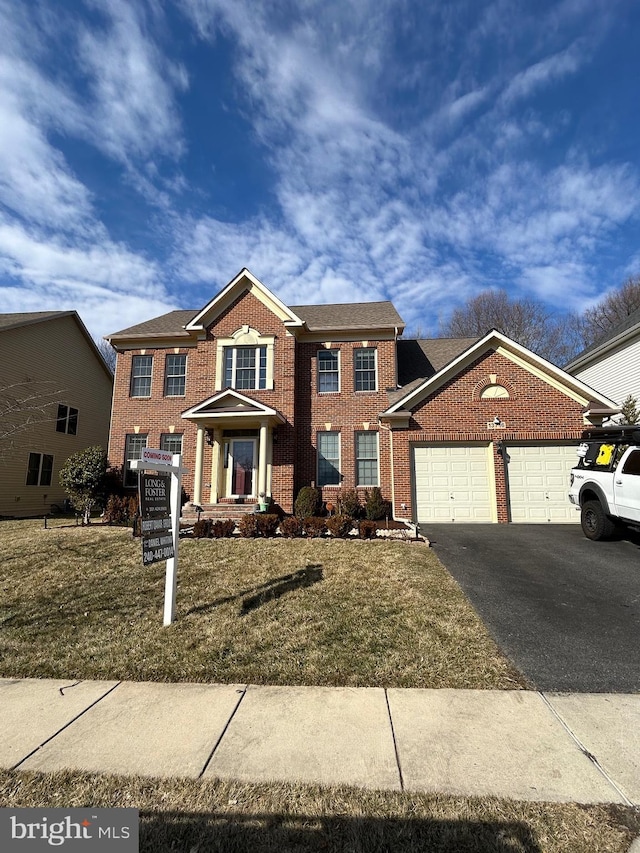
[
  {"x": 539, "y": 482},
  {"x": 453, "y": 483}
]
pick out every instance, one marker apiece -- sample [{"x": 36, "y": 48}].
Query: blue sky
[{"x": 411, "y": 150}]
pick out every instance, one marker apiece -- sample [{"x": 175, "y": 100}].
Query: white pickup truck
[{"x": 605, "y": 484}]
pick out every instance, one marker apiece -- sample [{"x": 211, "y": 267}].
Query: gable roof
[
  {"x": 244, "y": 281},
  {"x": 628, "y": 330},
  {"x": 186, "y": 324},
  {"x": 494, "y": 340},
  {"x": 229, "y": 401},
  {"x": 20, "y": 319}
]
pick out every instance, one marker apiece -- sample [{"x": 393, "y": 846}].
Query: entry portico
[{"x": 240, "y": 432}]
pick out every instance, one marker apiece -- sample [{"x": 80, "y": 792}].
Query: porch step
[{"x": 234, "y": 511}]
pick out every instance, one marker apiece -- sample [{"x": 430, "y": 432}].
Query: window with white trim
[
  {"x": 171, "y": 442},
  {"x": 141, "y": 369},
  {"x": 328, "y": 371},
  {"x": 367, "y": 459},
  {"x": 67, "y": 420},
  {"x": 175, "y": 375},
  {"x": 245, "y": 367},
  {"x": 39, "y": 469},
  {"x": 133, "y": 447},
  {"x": 329, "y": 459},
  {"x": 364, "y": 362}
]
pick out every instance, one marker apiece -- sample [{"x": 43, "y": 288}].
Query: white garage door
[
  {"x": 452, "y": 483},
  {"x": 539, "y": 482}
]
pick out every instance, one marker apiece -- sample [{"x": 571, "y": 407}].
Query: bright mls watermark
[{"x": 26, "y": 830}]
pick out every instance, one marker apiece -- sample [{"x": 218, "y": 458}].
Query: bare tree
[
  {"x": 595, "y": 323},
  {"x": 108, "y": 353},
  {"x": 526, "y": 321},
  {"x": 24, "y": 404}
]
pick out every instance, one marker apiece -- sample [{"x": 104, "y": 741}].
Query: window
[
  {"x": 494, "y": 392},
  {"x": 134, "y": 445},
  {"x": 171, "y": 442},
  {"x": 367, "y": 459},
  {"x": 328, "y": 371},
  {"x": 329, "y": 459},
  {"x": 245, "y": 367},
  {"x": 67, "y": 420},
  {"x": 141, "y": 375},
  {"x": 39, "y": 469},
  {"x": 632, "y": 464},
  {"x": 365, "y": 369},
  {"x": 175, "y": 373}
]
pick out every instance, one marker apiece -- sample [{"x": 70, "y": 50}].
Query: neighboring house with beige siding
[
  {"x": 55, "y": 399},
  {"x": 612, "y": 365}
]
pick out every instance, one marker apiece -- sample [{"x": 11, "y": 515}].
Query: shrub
[
  {"x": 132, "y": 503},
  {"x": 290, "y": 527},
  {"x": 367, "y": 529},
  {"x": 116, "y": 510},
  {"x": 248, "y": 526},
  {"x": 267, "y": 524},
  {"x": 339, "y": 525},
  {"x": 376, "y": 508},
  {"x": 120, "y": 510},
  {"x": 223, "y": 528},
  {"x": 348, "y": 503},
  {"x": 202, "y": 529},
  {"x": 308, "y": 503},
  {"x": 314, "y": 526},
  {"x": 83, "y": 477}
]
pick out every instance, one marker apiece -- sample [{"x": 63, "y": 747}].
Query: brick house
[{"x": 262, "y": 398}]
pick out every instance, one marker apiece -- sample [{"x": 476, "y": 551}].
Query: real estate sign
[{"x": 155, "y": 517}]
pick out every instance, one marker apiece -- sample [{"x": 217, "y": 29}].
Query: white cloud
[
  {"x": 101, "y": 281},
  {"x": 133, "y": 86},
  {"x": 544, "y": 73}
]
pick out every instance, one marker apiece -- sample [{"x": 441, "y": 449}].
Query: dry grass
[
  {"x": 77, "y": 603},
  {"x": 194, "y": 816}
]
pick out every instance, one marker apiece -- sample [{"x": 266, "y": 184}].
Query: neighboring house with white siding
[
  {"x": 612, "y": 365},
  {"x": 55, "y": 399}
]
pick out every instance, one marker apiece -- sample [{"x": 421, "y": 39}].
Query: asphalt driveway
[{"x": 564, "y": 609}]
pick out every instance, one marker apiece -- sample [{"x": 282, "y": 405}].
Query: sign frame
[{"x": 176, "y": 470}]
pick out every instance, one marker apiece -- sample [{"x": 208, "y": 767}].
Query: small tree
[
  {"x": 83, "y": 478},
  {"x": 630, "y": 411},
  {"x": 308, "y": 503}
]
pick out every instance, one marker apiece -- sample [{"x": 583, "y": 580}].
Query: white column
[
  {"x": 197, "y": 477},
  {"x": 262, "y": 459},
  {"x": 215, "y": 467}
]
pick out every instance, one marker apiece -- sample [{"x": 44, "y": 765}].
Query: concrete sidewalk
[{"x": 582, "y": 748}]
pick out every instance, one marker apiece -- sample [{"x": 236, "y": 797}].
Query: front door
[{"x": 242, "y": 464}]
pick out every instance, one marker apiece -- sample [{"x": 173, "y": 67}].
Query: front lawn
[
  {"x": 190, "y": 815},
  {"x": 77, "y": 603}
]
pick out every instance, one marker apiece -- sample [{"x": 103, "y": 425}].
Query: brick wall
[
  {"x": 534, "y": 411},
  {"x": 294, "y": 395},
  {"x": 347, "y": 412}
]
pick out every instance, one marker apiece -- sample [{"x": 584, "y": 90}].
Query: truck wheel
[{"x": 596, "y": 524}]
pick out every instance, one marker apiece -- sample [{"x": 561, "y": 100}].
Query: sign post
[{"x": 160, "y": 510}]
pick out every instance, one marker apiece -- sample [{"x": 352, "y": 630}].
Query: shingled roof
[
  {"x": 166, "y": 326},
  {"x": 626, "y": 325},
  {"x": 343, "y": 316},
  {"x": 25, "y": 318},
  {"x": 421, "y": 359},
  {"x": 349, "y": 315}
]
